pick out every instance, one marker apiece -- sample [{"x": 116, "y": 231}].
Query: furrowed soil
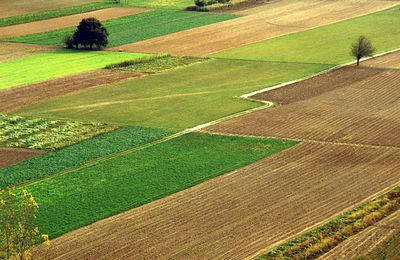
[
  {"x": 66, "y": 21},
  {"x": 11, "y": 51},
  {"x": 242, "y": 212},
  {"x": 13, "y": 7},
  {"x": 9, "y": 156},
  {"x": 259, "y": 23},
  {"x": 363, "y": 111},
  {"x": 19, "y": 97},
  {"x": 367, "y": 240},
  {"x": 388, "y": 61}
]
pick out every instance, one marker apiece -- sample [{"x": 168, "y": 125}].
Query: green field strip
[
  {"x": 176, "y": 99},
  {"x": 83, "y": 153},
  {"x": 171, "y": 4},
  {"x": 328, "y": 44},
  {"x": 56, "y": 64},
  {"x": 44, "y": 15},
  {"x": 86, "y": 195},
  {"x": 134, "y": 28}
]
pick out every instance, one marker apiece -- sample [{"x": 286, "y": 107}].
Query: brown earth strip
[
  {"x": 260, "y": 23},
  {"x": 66, "y": 21},
  {"x": 367, "y": 240},
  {"x": 363, "y": 112},
  {"x": 17, "y": 7},
  {"x": 10, "y": 51},
  {"x": 9, "y": 156},
  {"x": 238, "y": 214},
  {"x": 19, "y": 97},
  {"x": 388, "y": 61}
]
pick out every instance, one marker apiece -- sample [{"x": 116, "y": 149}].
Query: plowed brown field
[
  {"x": 367, "y": 240},
  {"x": 238, "y": 214},
  {"x": 363, "y": 112},
  {"x": 18, "y": 97},
  {"x": 267, "y": 21},
  {"x": 17, "y": 7},
  {"x": 388, "y": 61},
  {"x": 66, "y": 21},
  {"x": 10, "y": 51},
  {"x": 10, "y": 156}
]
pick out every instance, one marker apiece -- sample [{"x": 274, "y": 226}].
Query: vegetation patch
[
  {"x": 336, "y": 40},
  {"x": 155, "y": 64},
  {"x": 177, "y": 99},
  {"x": 171, "y": 4},
  {"x": 56, "y": 64},
  {"x": 53, "y": 162},
  {"x": 212, "y": 5},
  {"x": 44, "y": 15},
  {"x": 20, "y": 132},
  {"x": 320, "y": 240},
  {"x": 88, "y": 194},
  {"x": 134, "y": 28}
]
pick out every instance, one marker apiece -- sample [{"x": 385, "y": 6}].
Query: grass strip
[
  {"x": 215, "y": 6},
  {"x": 53, "y": 162},
  {"x": 322, "y": 239},
  {"x": 134, "y": 28},
  {"x": 44, "y": 15},
  {"x": 155, "y": 64},
  {"x": 38, "y": 133},
  {"x": 81, "y": 197}
]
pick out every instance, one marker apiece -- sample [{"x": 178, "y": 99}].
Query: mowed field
[
  {"x": 242, "y": 212},
  {"x": 12, "y": 7},
  {"x": 270, "y": 20},
  {"x": 66, "y": 21}
]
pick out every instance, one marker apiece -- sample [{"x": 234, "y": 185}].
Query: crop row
[{"x": 146, "y": 25}]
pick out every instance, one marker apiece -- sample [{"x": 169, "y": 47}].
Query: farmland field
[
  {"x": 56, "y": 64},
  {"x": 336, "y": 39},
  {"x": 174, "y": 4},
  {"x": 76, "y": 155},
  {"x": 170, "y": 100},
  {"x": 66, "y": 21},
  {"x": 267, "y": 21},
  {"x": 147, "y": 25},
  {"x": 12, "y": 51},
  {"x": 242, "y": 212},
  {"x": 9, "y": 156},
  {"x": 123, "y": 182}
]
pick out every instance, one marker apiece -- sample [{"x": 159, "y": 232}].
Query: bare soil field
[
  {"x": 66, "y": 21},
  {"x": 10, "y": 156},
  {"x": 241, "y": 212},
  {"x": 17, "y": 7},
  {"x": 364, "y": 112},
  {"x": 388, "y": 61},
  {"x": 19, "y": 97},
  {"x": 259, "y": 23},
  {"x": 367, "y": 240},
  {"x": 10, "y": 51}
]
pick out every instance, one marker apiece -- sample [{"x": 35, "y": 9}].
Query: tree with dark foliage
[
  {"x": 362, "y": 48},
  {"x": 91, "y": 32}
]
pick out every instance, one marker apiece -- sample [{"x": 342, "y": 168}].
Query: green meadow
[
  {"x": 56, "y": 64},
  {"x": 176, "y": 99},
  {"x": 134, "y": 28},
  {"x": 326, "y": 45},
  {"x": 89, "y": 194}
]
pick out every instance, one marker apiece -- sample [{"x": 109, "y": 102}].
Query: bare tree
[{"x": 362, "y": 48}]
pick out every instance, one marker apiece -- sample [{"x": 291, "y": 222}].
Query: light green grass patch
[
  {"x": 134, "y": 28},
  {"x": 177, "y": 99},
  {"x": 87, "y": 195},
  {"x": 174, "y": 4},
  {"x": 328, "y": 44},
  {"x": 56, "y": 64}
]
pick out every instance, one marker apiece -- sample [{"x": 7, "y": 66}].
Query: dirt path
[
  {"x": 9, "y": 156},
  {"x": 267, "y": 21},
  {"x": 10, "y": 51},
  {"x": 17, "y": 7},
  {"x": 241, "y": 212},
  {"x": 66, "y": 21},
  {"x": 367, "y": 240},
  {"x": 19, "y": 97}
]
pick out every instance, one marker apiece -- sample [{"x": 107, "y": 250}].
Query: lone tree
[
  {"x": 90, "y": 32},
  {"x": 362, "y": 48}
]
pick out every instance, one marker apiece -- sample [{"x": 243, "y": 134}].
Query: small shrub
[
  {"x": 200, "y": 3},
  {"x": 69, "y": 41}
]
